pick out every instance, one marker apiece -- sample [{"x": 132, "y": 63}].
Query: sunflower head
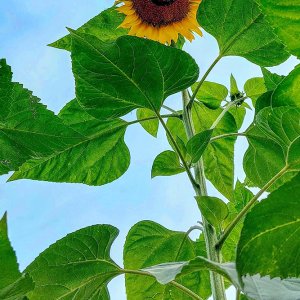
[{"x": 161, "y": 20}]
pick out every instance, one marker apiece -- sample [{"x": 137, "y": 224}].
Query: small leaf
[
  {"x": 166, "y": 163},
  {"x": 211, "y": 94},
  {"x": 18, "y": 289},
  {"x": 8, "y": 260},
  {"x": 198, "y": 143},
  {"x": 254, "y": 88},
  {"x": 76, "y": 267},
  {"x": 241, "y": 30},
  {"x": 104, "y": 26},
  {"x": 213, "y": 209},
  {"x": 149, "y": 244},
  {"x": 234, "y": 90},
  {"x": 270, "y": 235},
  {"x": 272, "y": 80},
  {"x": 283, "y": 15},
  {"x": 165, "y": 71},
  {"x": 150, "y": 126}
]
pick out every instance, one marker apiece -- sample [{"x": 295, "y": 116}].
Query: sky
[{"x": 39, "y": 213}]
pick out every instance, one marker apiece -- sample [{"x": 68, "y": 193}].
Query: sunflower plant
[{"x": 130, "y": 58}]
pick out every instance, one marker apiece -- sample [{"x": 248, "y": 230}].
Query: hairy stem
[
  {"x": 191, "y": 100},
  {"x": 155, "y": 118},
  {"x": 173, "y": 283},
  {"x": 217, "y": 282},
  {"x": 249, "y": 205},
  {"x": 225, "y": 135}
]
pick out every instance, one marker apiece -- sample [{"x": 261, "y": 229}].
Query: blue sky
[{"x": 40, "y": 213}]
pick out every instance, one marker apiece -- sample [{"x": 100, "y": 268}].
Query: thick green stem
[
  {"x": 173, "y": 283},
  {"x": 217, "y": 282},
  {"x": 249, "y": 205}
]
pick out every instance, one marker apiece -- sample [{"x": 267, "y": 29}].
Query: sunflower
[{"x": 161, "y": 20}]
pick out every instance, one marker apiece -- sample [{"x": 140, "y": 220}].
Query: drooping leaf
[
  {"x": 219, "y": 155},
  {"x": 27, "y": 128},
  {"x": 287, "y": 92},
  {"x": 76, "y": 267},
  {"x": 198, "y": 143},
  {"x": 150, "y": 126},
  {"x": 18, "y": 289},
  {"x": 270, "y": 142},
  {"x": 269, "y": 240},
  {"x": 272, "y": 80},
  {"x": 284, "y": 17},
  {"x": 148, "y": 244},
  {"x": 254, "y": 88},
  {"x": 98, "y": 157},
  {"x": 241, "y": 30},
  {"x": 104, "y": 26},
  {"x": 166, "y": 163},
  {"x": 8, "y": 260},
  {"x": 211, "y": 94},
  {"x": 213, "y": 209},
  {"x": 110, "y": 82}
]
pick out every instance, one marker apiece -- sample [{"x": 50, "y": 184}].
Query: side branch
[{"x": 245, "y": 210}]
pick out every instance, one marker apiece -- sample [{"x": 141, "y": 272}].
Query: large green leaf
[
  {"x": 8, "y": 260},
  {"x": 271, "y": 139},
  {"x": 104, "y": 26},
  {"x": 98, "y": 157},
  {"x": 76, "y": 267},
  {"x": 151, "y": 126},
  {"x": 254, "y": 88},
  {"x": 27, "y": 128},
  {"x": 241, "y": 30},
  {"x": 284, "y": 16},
  {"x": 269, "y": 243},
  {"x": 272, "y": 80},
  {"x": 287, "y": 92},
  {"x": 148, "y": 244},
  {"x": 219, "y": 155},
  {"x": 110, "y": 81},
  {"x": 211, "y": 93}
]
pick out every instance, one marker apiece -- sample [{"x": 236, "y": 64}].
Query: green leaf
[
  {"x": 8, "y": 260},
  {"x": 271, "y": 140},
  {"x": 198, "y": 143},
  {"x": 100, "y": 155},
  {"x": 18, "y": 289},
  {"x": 176, "y": 128},
  {"x": 104, "y": 26},
  {"x": 219, "y": 155},
  {"x": 76, "y": 267},
  {"x": 241, "y": 30},
  {"x": 211, "y": 93},
  {"x": 266, "y": 288},
  {"x": 166, "y": 246},
  {"x": 234, "y": 90},
  {"x": 254, "y": 88},
  {"x": 27, "y": 128},
  {"x": 284, "y": 16},
  {"x": 272, "y": 80},
  {"x": 287, "y": 92},
  {"x": 239, "y": 113},
  {"x": 166, "y": 163},
  {"x": 165, "y": 71},
  {"x": 270, "y": 235},
  {"x": 213, "y": 209},
  {"x": 150, "y": 126}
]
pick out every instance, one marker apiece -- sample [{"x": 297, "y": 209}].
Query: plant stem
[
  {"x": 238, "y": 294},
  {"x": 155, "y": 118},
  {"x": 225, "y": 135},
  {"x": 190, "y": 102},
  {"x": 184, "y": 163},
  {"x": 170, "y": 109},
  {"x": 249, "y": 205},
  {"x": 217, "y": 282},
  {"x": 174, "y": 283}
]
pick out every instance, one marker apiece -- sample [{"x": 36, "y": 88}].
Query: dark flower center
[{"x": 161, "y": 12}]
